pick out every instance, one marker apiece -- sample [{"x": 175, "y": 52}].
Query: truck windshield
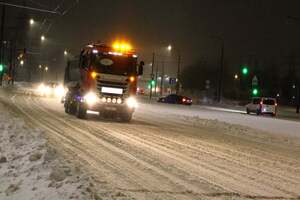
[{"x": 112, "y": 64}]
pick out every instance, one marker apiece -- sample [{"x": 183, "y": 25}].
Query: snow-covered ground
[
  {"x": 233, "y": 116},
  {"x": 170, "y": 152},
  {"x": 31, "y": 169}
]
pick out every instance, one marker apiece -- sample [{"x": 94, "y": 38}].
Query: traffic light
[
  {"x": 245, "y": 70},
  {"x": 151, "y": 84},
  {"x": 1, "y": 68},
  {"x": 255, "y": 92}
]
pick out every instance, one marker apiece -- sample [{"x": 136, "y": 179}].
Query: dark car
[{"x": 175, "y": 99}]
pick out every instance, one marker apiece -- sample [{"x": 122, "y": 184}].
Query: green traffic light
[
  {"x": 1, "y": 68},
  {"x": 153, "y": 82},
  {"x": 255, "y": 92},
  {"x": 245, "y": 70}
]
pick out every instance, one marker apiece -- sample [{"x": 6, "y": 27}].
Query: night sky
[{"x": 258, "y": 28}]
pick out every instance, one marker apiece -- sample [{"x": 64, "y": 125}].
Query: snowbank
[{"x": 31, "y": 169}]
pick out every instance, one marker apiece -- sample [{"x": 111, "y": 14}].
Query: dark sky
[{"x": 257, "y": 28}]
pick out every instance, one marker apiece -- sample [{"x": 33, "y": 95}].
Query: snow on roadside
[
  {"x": 31, "y": 169},
  {"x": 240, "y": 130}
]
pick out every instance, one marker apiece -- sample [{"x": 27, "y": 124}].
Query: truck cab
[{"x": 103, "y": 79}]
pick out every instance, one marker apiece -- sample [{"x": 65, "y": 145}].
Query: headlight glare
[
  {"x": 131, "y": 102},
  {"x": 90, "y": 98}
]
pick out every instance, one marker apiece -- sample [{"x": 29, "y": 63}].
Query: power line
[
  {"x": 37, "y": 3},
  {"x": 63, "y": 13},
  {"x": 72, "y": 6},
  {"x": 30, "y": 8}
]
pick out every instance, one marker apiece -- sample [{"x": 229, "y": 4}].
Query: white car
[{"x": 262, "y": 105}]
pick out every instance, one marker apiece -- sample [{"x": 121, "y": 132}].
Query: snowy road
[{"x": 169, "y": 152}]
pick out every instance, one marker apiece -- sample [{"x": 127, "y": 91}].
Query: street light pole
[
  {"x": 178, "y": 73},
  {"x": 162, "y": 78},
  {"x": 152, "y": 75},
  {"x": 298, "y": 99},
  {"x": 220, "y": 85},
  {"x": 156, "y": 74},
  {"x": 1, "y": 40}
]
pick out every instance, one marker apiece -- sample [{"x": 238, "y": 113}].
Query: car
[
  {"x": 51, "y": 89},
  {"x": 262, "y": 105},
  {"x": 175, "y": 99},
  {"x": 140, "y": 91}
]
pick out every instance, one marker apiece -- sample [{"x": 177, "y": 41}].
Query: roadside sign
[{"x": 254, "y": 81}]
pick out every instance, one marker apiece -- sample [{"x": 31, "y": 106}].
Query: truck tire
[
  {"x": 66, "y": 105},
  {"x": 80, "y": 111},
  {"x": 70, "y": 108},
  {"x": 126, "y": 116}
]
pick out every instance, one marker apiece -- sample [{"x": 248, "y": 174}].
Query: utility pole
[
  {"x": 156, "y": 73},
  {"x": 1, "y": 40},
  {"x": 152, "y": 75},
  {"x": 298, "y": 98},
  {"x": 162, "y": 78},
  {"x": 178, "y": 73},
  {"x": 220, "y": 85}
]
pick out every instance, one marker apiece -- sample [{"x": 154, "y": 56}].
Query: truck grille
[{"x": 102, "y": 83}]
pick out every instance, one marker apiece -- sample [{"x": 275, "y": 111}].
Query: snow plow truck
[{"x": 103, "y": 79}]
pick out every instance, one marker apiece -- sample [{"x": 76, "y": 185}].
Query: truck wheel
[
  {"x": 80, "y": 111},
  {"x": 126, "y": 117},
  {"x": 66, "y": 108},
  {"x": 104, "y": 114},
  {"x": 70, "y": 108}
]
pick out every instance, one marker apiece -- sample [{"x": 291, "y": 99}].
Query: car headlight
[
  {"x": 90, "y": 98},
  {"x": 47, "y": 90},
  {"x": 131, "y": 102},
  {"x": 59, "y": 91},
  {"x": 41, "y": 88}
]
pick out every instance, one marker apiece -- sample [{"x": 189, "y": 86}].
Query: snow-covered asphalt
[
  {"x": 175, "y": 152},
  {"x": 234, "y": 116}
]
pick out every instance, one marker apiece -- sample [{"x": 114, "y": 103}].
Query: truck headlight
[
  {"x": 90, "y": 98},
  {"x": 131, "y": 102}
]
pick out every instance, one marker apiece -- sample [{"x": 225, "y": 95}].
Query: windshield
[
  {"x": 112, "y": 64},
  {"x": 269, "y": 102}
]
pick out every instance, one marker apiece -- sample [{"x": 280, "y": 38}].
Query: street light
[
  {"x": 43, "y": 38},
  {"x": 236, "y": 76},
  {"x": 169, "y": 47},
  {"x": 31, "y": 22},
  {"x": 22, "y": 62},
  {"x": 65, "y": 53},
  {"x": 40, "y": 66},
  {"x": 46, "y": 68}
]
